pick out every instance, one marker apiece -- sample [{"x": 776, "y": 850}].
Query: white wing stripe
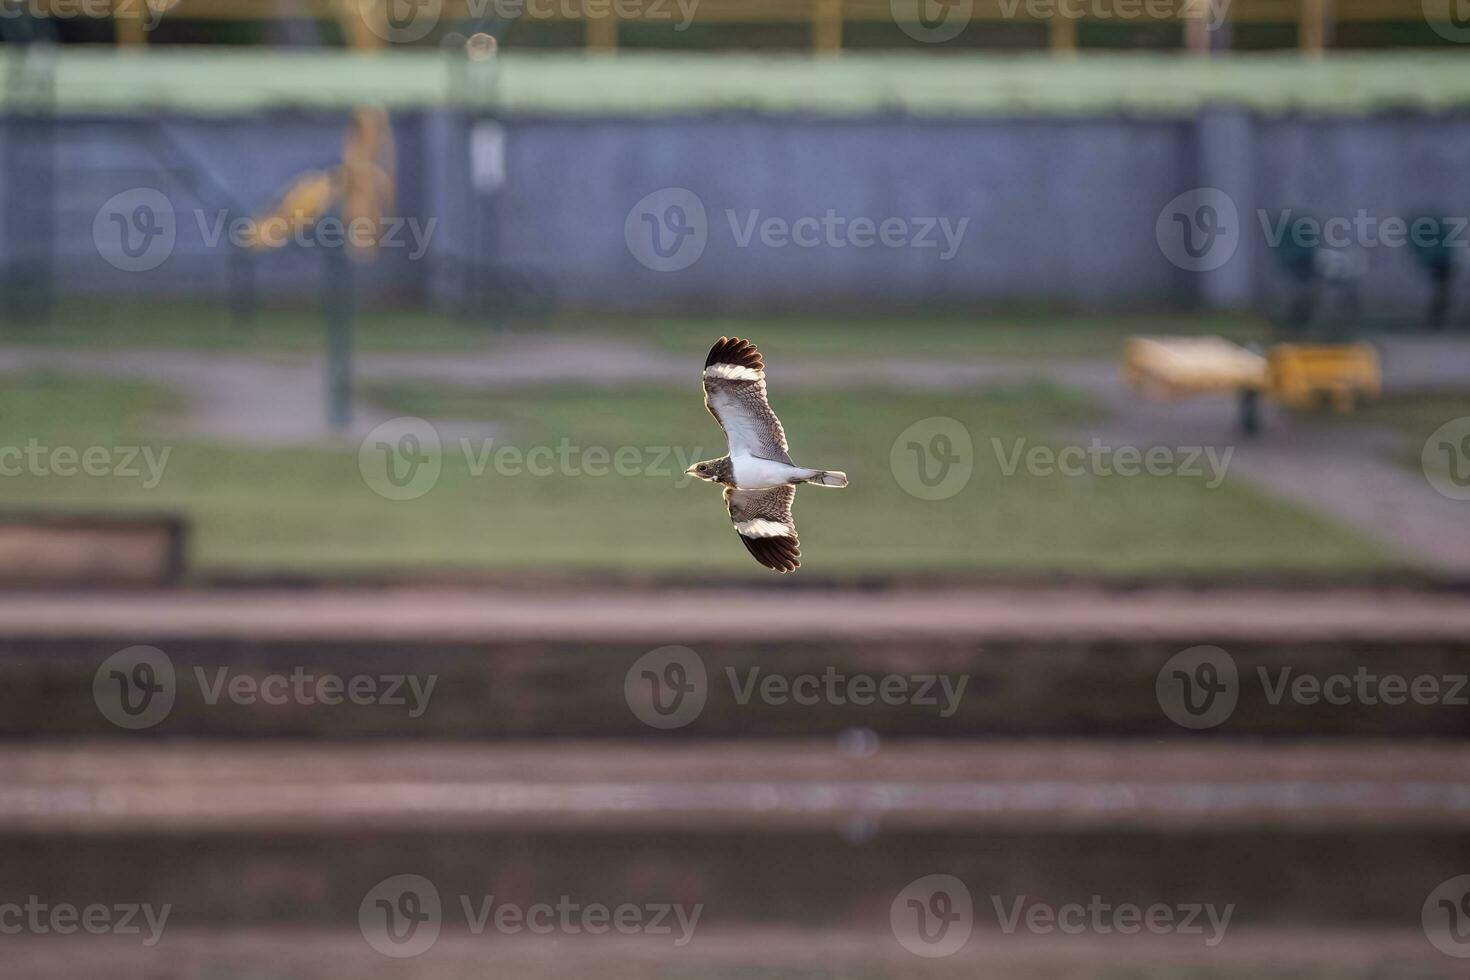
[
  {"x": 733, "y": 372},
  {"x": 762, "y": 528}
]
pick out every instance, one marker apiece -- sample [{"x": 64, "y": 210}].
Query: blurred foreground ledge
[
  {"x": 809, "y": 784},
  {"x": 752, "y": 615},
  {"x": 567, "y": 663},
  {"x": 786, "y": 832}
]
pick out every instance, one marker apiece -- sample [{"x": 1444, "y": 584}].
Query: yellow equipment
[
  {"x": 1342, "y": 376},
  {"x": 1299, "y": 376},
  {"x": 364, "y": 185}
]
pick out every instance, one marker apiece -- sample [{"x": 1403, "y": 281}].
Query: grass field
[
  {"x": 311, "y": 510},
  {"x": 1415, "y": 416}
]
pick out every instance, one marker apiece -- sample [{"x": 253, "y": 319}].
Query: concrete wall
[{"x": 1057, "y": 211}]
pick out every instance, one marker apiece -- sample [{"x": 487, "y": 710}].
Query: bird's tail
[{"x": 828, "y": 478}]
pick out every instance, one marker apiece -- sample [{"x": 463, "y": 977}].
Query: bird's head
[{"x": 714, "y": 471}]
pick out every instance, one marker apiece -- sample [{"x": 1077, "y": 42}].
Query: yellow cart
[{"x": 1299, "y": 376}]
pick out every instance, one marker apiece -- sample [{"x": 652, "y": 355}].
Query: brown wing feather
[
  {"x": 783, "y": 552},
  {"x": 740, "y": 404}
]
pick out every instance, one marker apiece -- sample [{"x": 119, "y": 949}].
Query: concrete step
[
  {"x": 752, "y": 662},
  {"x": 748, "y": 953},
  {"x": 812, "y": 833}
]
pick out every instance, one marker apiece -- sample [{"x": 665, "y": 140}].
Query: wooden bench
[{"x": 44, "y": 548}]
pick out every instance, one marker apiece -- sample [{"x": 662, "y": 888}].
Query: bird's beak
[{"x": 689, "y": 470}]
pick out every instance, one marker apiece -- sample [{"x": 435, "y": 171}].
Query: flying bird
[{"x": 758, "y": 475}]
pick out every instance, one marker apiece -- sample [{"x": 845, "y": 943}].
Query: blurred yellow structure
[
  {"x": 1181, "y": 367},
  {"x": 364, "y": 185},
  {"x": 1299, "y": 376},
  {"x": 1342, "y": 376}
]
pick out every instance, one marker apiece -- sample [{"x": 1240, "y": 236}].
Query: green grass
[
  {"x": 311, "y": 511},
  {"x": 1414, "y": 415}
]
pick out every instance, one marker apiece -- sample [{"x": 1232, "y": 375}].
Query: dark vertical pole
[
  {"x": 29, "y": 165},
  {"x": 338, "y": 302},
  {"x": 242, "y": 287}
]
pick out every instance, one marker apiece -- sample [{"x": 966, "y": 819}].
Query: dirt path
[
  {"x": 110, "y": 787},
  {"x": 870, "y": 951},
  {"x": 632, "y": 616}
]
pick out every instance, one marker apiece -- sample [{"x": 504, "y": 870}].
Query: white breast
[{"x": 754, "y": 473}]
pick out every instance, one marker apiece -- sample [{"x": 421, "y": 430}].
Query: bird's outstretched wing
[
  {"x": 763, "y": 520},
  {"x": 735, "y": 394}
]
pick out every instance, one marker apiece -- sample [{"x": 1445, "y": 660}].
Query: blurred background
[{"x": 357, "y": 615}]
